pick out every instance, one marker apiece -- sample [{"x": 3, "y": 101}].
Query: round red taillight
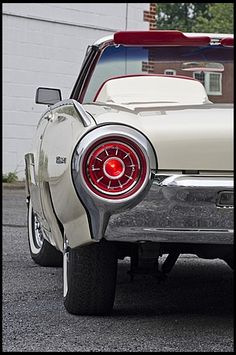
[{"x": 114, "y": 168}]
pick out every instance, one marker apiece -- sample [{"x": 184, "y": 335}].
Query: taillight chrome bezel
[
  {"x": 121, "y": 133},
  {"x": 100, "y": 207}
]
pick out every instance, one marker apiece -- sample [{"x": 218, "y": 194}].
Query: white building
[{"x": 44, "y": 45}]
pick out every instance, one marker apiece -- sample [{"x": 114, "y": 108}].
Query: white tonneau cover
[{"x": 152, "y": 90}]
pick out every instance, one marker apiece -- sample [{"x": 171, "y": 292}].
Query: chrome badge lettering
[{"x": 60, "y": 160}]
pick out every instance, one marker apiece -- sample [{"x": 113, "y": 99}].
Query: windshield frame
[{"x": 95, "y": 51}]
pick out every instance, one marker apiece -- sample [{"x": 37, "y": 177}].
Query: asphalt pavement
[{"x": 191, "y": 311}]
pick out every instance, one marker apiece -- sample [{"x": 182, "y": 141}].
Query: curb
[{"x": 14, "y": 186}]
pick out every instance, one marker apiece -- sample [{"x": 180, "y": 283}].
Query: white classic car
[{"x": 137, "y": 163}]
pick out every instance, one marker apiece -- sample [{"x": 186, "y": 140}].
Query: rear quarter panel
[{"x": 58, "y": 196}]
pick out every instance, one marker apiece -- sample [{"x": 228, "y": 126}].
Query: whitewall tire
[{"x": 41, "y": 251}]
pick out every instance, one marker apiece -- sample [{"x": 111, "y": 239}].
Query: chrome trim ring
[{"x": 106, "y": 132}]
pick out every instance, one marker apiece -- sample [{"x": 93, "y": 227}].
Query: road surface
[{"x": 191, "y": 311}]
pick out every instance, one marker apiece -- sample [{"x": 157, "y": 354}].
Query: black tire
[
  {"x": 41, "y": 251},
  {"x": 90, "y": 279}
]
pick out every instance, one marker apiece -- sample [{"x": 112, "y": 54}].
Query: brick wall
[
  {"x": 150, "y": 16},
  {"x": 44, "y": 45},
  {"x": 227, "y": 79}
]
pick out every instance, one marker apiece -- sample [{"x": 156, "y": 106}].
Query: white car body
[{"x": 180, "y": 150}]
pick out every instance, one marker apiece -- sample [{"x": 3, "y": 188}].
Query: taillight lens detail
[{"x": 114, "y": 168}]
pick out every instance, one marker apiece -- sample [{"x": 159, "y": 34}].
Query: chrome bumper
[{"x": 179, "y": 209}]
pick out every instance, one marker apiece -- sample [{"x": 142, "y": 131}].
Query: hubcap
[{"x": 38, "y": 234}]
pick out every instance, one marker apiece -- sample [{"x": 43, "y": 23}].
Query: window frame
[
  {"x": 207, "y": 82},
  {"x": 170, "y": 70}
]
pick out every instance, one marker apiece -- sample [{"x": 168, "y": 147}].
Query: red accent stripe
[{"x": 159, "y": 37}]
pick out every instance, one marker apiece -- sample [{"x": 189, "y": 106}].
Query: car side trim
[
  {"x": 194, "y": 181},
  {"x": 85, "y": 117}
]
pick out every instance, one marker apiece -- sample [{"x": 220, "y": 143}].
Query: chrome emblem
[{"x": 60, "y": 160}]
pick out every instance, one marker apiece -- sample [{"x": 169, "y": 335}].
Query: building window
[
  {"x": 211, "y": 81},
  {"x": 170, "y": 72},
  {"x": 200, "y": 76},
  {"x": 215, "y": 86}
]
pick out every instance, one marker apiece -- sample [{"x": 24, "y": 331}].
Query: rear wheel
[
  {"x": 90, "y": 278},
  {"x": 42, "y": 252}
]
